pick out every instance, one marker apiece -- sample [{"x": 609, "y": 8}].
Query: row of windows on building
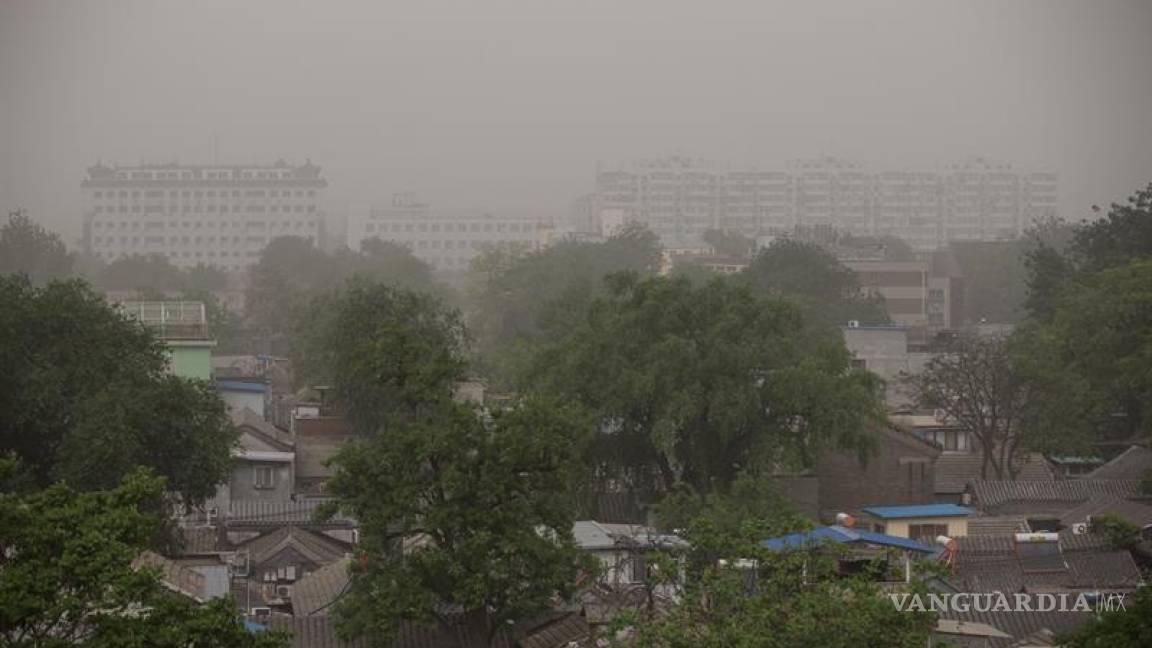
[
  {"x": 211, "y": 193},
  {"x": 208, "y": 175},
  {"x": 175, "y": 255},
  {"x": 451, "y": 227},
  {"x": 109, "y": 241},
  {"x": 200, "y": 209},
  {"x": 251, "y": 224}
]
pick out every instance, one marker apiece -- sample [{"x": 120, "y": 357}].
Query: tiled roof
[
  {"x": 320, "y": 632},
  {"x": 173, "y": 575},
  {"x": 262, "y": 429},
  {"x": 202, "y": 540},
  {"x": 558, "y": 631},
  {"x": 315, "y": 593},
  {"x": 274, "y": 513},
  {"x": 319, "y": 548},
  {"x": 990, "y": 563},
  {"x": 953, "y": 471},
  {"x": 989, "y": 493},
  {"x": 1021, "y": 624},
  {"x": 996, "y": 525},
  {"x": 1133, "y": 463},
  {"x": 1136, "y": 512}
]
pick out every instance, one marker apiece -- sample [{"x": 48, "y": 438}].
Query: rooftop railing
[{"x": 170, "y": 320}]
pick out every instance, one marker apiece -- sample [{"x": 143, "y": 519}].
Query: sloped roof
[
  {"x": 202, "y": 540},
  {"x": 996, "y": 525},
  {"x": 1021, "y": 624},
  {"x": 917, "y": 511},
  {"x": 173, "y": 575},
  {"x": 318, "y": 548},
  {"x": 254, "y": 424},
  {"x": 953, "y": 471},
  {"x": 1136, "y": 512},
  {"x": 1133, "y": 463},
  {"x": 559, "y": 630},
  {"x": 320, "y": 632},
  {"x": 990, "y": 563},
  {"x": 315, "y": 593},
  {"x": 990, "y": 493},
  {"x": 841, "y": 535}
]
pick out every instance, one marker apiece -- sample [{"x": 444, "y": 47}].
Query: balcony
[{"x": 170, "y": 320}]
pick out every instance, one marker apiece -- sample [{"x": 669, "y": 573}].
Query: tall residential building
[
  {"x": 679, "y": 198},
  {"x": 217, "y": 215},
  {"x": 447, "y": 242}
]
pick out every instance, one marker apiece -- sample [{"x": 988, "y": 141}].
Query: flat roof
[{"x": 918, "y": 511}]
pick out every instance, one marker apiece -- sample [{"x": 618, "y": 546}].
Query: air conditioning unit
[
  {"x": 284, "y": 591},
  {"x": 261, "y": 612},
  {"x": 1080, "y": 528}
]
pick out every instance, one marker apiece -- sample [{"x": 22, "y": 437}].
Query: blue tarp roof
[
  {"x": 918, "y": 511},
  {"x": 241, "y": 386},
  {"x": 842, "y": 535}
]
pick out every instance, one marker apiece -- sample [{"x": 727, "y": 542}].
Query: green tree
[
  {"x": 66, "y": 575},
  {"x": 26, "y": 247},
  {"x": 537, "y": 296},
  {"x": 976, "y": 383},
  {"x": 388, "y": 352},
  {"x": 85, "y": 396},
  {"x": 826, "y": 290},
  {"x": 695, "y": 384},
  {"x": 738, "y": 593},
  {"x": 1127, "y": 628},
  {"x": 461, "y": 509}
]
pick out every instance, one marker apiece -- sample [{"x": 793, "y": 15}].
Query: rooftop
[
  {"x": 170, "y": 320},
  {"x": 918, "y": 511},
  {"x": 843, "y": 535}
]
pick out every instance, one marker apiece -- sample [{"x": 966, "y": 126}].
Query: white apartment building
[
  {"x": 447, "y": 242},
  {"x": 218, "y": 215},
  {"x": 679, "y": 198}
]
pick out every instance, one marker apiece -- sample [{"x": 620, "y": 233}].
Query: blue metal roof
[
  {"x": 241, "y": 386},
  {"x": 918, "y": 511},
  {"x": 842, "y": 535}
]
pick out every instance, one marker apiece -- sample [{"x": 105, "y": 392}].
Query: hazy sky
[{"x": 509, "y": 104}]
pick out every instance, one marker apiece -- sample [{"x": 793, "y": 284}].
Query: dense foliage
[
  {"x": 292, "y": 272},
  {"x": 826, "y": 291},
  {"x": 693, "y": 384},
  {"x": 85, "y": 396},
  {"x": 463, "y": 512},
  {"x": 27, "y": 248},
  {"x": 389, "y": 353},
  {"x": 1127, "y": 628},
  {"x": 66, "y": 575}
]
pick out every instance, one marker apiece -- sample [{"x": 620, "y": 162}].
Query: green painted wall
[{"x": 192, "y": 361}]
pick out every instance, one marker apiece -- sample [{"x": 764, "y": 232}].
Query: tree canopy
[
  {"x": 28, "y": 248},
  {"x": 388, "y": 352},
  {"x": 292, "y": 272},
  {"x": 526, "y": 299},
  {"x": 461, "y": 511},
  {"x": 66, "y": 574},
  {"x": 85, "y": 396},
  {"x": 694, "y": 383},
  {"x": 824, "y": 288}
]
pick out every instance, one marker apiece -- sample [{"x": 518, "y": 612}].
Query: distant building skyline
[
  {"x": 216, "y": 215},
  {"x": 447, "y": 241},
  {"x": 680, "y": 197}
]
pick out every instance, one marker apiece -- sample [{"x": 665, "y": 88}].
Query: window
[
  {"x": 265, "y": 477},
  {"x": 926, "y": 533}
]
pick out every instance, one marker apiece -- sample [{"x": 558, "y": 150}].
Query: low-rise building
[
  {"x": 183, "y": 327},
  {"x": 923, "y": 523}
]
